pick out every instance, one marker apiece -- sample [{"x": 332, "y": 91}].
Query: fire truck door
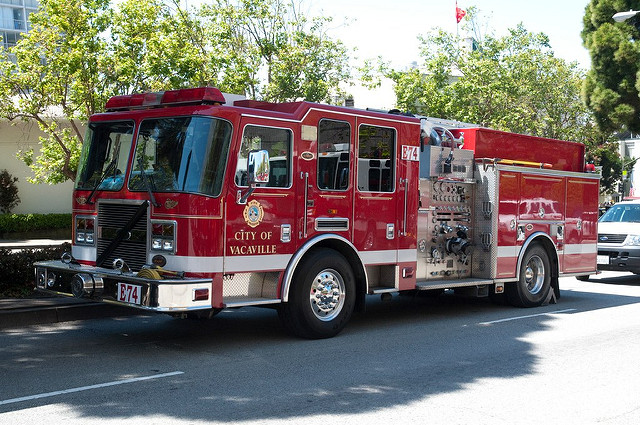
[
  {"x": 325, "y": 177},
  {"x": 377, "y": 189},
  {"x": 259, "y": 228}
]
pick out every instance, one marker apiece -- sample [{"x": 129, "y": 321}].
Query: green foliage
[
  {"x": 611, "y": 86},
  {"x": 19, "y": 223},
  {"x": 511, "y": 83},
  {"x": 81, "y": 52},
  {"x": 274, "y": 38},
  {"x": 17, "y": 277},
  {"x": 8, "y": 192}
]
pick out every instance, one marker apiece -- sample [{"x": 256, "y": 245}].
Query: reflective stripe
[
  {"x": 251, "y": 263},
  {"x": 84, "y": 253},
  {"x": 407, "y": 255},
  {"x": 583, "y": 248},
  {"x": 508, "y": 251},
  {"x": 192, "y": 264}
]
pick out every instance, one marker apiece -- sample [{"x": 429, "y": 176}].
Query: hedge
[
  {"x": 20, "y": 223},
  {"x": 17, "y": 276}
]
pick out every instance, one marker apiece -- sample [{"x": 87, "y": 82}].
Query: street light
[{"x": 623, "y": 16}]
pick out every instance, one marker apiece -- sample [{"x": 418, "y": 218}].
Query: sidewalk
[
  {"x": 31, "y": 243},
  {"x": 42, "y": 308}
]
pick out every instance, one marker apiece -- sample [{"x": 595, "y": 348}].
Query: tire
[
  {"x": 583, "y": 278},
  {"x": 322, "y": 296},
  {"x": 534, "y": 283}
]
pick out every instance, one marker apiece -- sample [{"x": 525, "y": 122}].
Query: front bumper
[
  {"x": 100, "y": 284},
  {"x": 619, "y": 258}
]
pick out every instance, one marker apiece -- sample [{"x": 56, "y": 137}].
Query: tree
[
  {"x": 293, "y": 52},
  {"x": 54, "y": 80},
  {"x": 8, "y": 192},
  {"x": 511, "y": 83},
  {"x": 81, "y": 52},
  {"x": 612, "y": 84}
]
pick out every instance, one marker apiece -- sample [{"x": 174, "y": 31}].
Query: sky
[{"x": 389, "y": 28}]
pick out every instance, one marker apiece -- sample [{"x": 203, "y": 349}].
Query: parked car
[{"x": 619, "y": 238}]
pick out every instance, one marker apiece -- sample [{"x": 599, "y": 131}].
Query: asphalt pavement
[{"x": 43, "y": 308}]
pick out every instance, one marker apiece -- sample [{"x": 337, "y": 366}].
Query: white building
[
  {"x": 630, "y": 148},
  {"x": 14, "y": 19},
  {"x": 34, "y": 198}
]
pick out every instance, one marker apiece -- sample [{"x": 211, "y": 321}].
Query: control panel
[{"x": 445, "y": 219}]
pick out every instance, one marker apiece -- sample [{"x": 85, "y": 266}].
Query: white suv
[{"x": 619, "y": 238}]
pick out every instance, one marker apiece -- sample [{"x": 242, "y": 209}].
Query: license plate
[
  {"x": 128, "y": 293},
  {"x": 602, "y": 259}
]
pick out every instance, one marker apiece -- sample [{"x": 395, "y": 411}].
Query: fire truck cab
[{"x": 190, "y": 201}]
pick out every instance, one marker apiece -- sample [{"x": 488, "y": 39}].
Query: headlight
[
  {"x": 163, "y": 236},
  {"x": 84, "y": 230},
  {"x": 632, "y": 240}
]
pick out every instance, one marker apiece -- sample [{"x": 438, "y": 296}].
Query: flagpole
[{"x": 457, "y": 23}]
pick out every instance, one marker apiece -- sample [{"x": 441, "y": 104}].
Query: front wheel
[
  {"x": 322, "y": 296},
  {"x": 534, "y": 283}
]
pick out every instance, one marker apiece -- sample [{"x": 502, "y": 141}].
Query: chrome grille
[
  {"x": 133, "y": 249},
  {"x": 611, "y": 238}
]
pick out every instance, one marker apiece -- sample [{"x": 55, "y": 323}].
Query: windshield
[
  {"x": 622, "y": 213},
  {"x": 181, "y": 154},
  {"x": 104, "y": 155}
]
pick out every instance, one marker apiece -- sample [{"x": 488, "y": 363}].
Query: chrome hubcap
[
  {"x": 534, "y": 275},
  {"x": 327, "y": 295}
]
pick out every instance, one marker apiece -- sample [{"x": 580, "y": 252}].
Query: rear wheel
[
  {"x": 322, "y": 296},
  {"x": 534, "y": 283}
]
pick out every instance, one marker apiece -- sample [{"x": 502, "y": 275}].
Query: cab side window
[
  {"x": 276, "y": 141},
  {"x": 334, "y": 143},
  {"x": 376, "y": 147}
]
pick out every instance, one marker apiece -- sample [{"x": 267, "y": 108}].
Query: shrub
[
  {"x": 8, "y": 192},
  {"x": 11, "y": 223},
  {"x": 17, "y": 276}
]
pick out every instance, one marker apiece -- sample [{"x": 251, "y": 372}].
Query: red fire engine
[{"x": 190, "y": 201}]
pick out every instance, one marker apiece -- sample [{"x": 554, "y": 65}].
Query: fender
[
  {"x": 532, "y": 238},
  {"x": 312, "y": 243}
]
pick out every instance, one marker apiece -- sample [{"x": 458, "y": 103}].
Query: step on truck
[{"x": 190, "y": 201}]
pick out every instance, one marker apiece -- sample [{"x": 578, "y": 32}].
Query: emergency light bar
[{"x": 194, "y": 96}]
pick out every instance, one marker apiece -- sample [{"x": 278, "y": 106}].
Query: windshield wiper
[
  {"x": 146, "y": 182},
  {"x": 104, "y": 175}
]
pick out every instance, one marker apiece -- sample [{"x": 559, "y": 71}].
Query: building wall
[
  {"x": 14, "y": 19},
  {"x": 34, "y": 198}
]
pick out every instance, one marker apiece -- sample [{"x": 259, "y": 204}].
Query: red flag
[{"x": 459, "y": 13}]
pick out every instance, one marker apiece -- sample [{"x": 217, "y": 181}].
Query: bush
[
  {"x": 8, "y": 192},
  {"x": 17, "y": 276},
  {"x": 13, "y": 223}
]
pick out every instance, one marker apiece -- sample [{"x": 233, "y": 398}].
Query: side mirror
[
  {"x": 258, "y": 167},
  {"x": 257, "y": 173}
]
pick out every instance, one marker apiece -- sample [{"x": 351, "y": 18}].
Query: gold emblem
[
  {"x": 170, "y": 203},
  {"x": 253, "y": 213},
  {"x": 81, "y": 200}
]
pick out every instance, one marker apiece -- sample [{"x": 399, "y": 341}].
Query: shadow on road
[{"x": 241, "y": 366}]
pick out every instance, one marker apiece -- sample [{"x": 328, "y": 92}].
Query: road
[{"x": 449, "y": 360}]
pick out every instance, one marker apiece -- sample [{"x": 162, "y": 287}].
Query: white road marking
[
  {"x": 525, "y": 317},
  {"x": 88, "y": 387}
]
